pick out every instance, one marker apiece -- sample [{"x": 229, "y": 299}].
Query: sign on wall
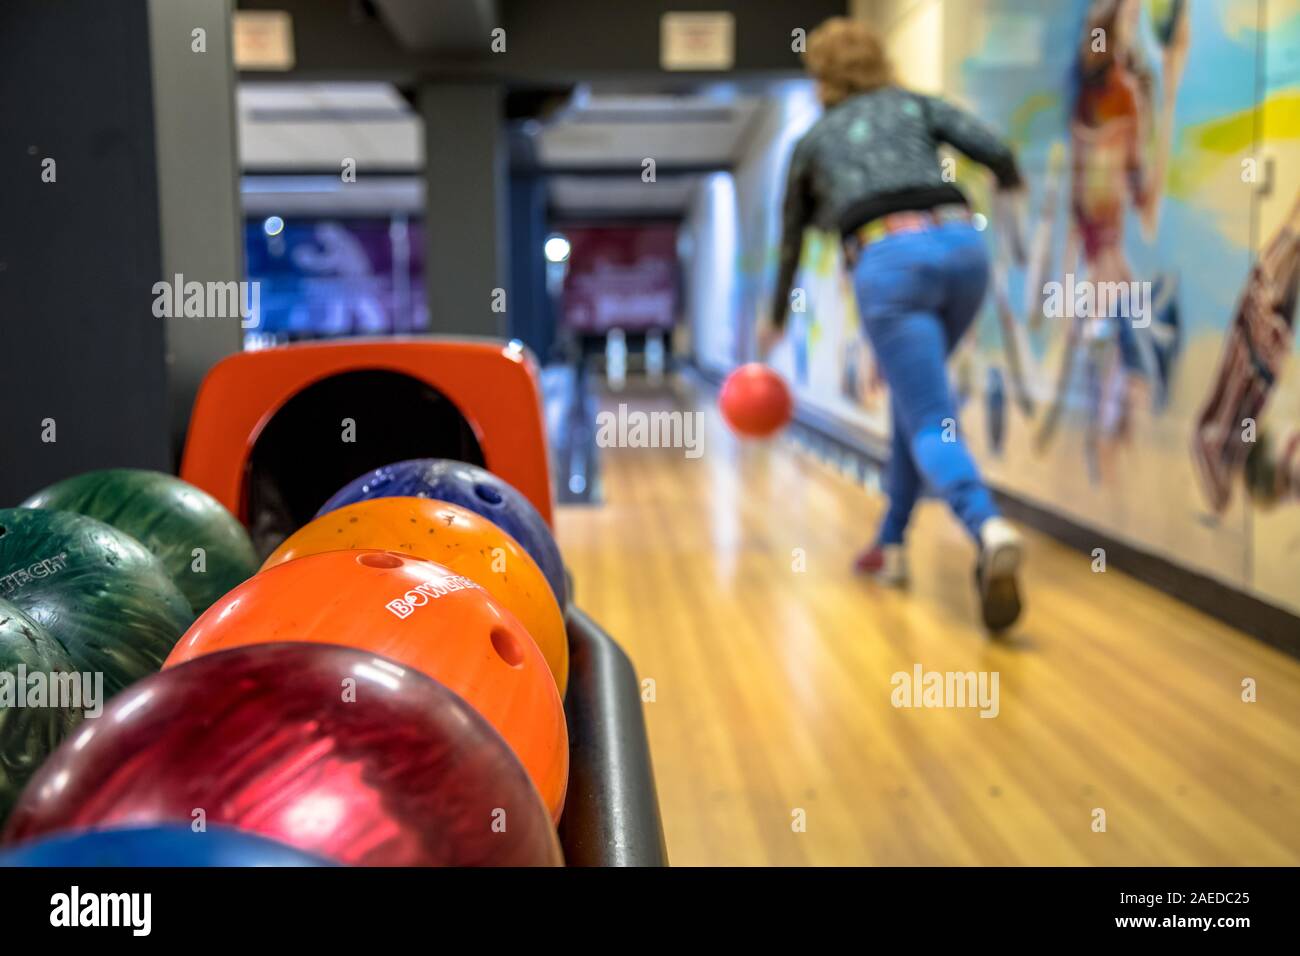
[
  {"x": 263, "y": 40},
  {"x": 697, "y": 41},
  {"x": 621, "y": 277}
]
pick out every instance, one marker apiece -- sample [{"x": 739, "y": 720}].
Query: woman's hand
[
  {"x": 768, "y": 336},
  {"x": 1009, "y": 213}
]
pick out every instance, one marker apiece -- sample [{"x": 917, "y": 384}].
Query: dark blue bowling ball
[
  {"x": 169, "y": 845},
  {"x": 470, "y": 487}
]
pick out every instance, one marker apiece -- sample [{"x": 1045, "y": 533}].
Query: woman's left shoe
[{"x": 886, "y": 563}]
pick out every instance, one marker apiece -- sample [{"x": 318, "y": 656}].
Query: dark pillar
[
  {"x": 138, "y": 119},
  {"x": 198, "y": 184},
  {"x": 79, "y": 344},
  {"x": 532, "y": 317},
  {"x": 465, "y": 207}
]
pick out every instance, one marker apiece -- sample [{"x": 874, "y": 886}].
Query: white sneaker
[{"x": 1001, "y": 550}]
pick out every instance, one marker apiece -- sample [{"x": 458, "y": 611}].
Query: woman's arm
[
  {"x": 954, "y": 126},
  {"x": 795, "y": 213}
]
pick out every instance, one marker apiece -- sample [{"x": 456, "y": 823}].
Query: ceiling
[
  {"x": 594, "y": 147},
  {"x": 622, "y": 130},
  {"x": 311, "y": 127}
]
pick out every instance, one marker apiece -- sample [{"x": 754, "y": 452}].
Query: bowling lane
[{"x": 727, "y": 579}]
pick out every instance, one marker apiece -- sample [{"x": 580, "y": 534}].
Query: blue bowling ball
[
  {"x": 470, "y": 487},
  {"x": 167, "y": 845}
]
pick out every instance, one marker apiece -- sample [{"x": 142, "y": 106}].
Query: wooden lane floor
[{"x": 1120, "y": 736}]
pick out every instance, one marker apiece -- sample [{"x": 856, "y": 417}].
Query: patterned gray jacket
[{"x": 873, "y": 154}]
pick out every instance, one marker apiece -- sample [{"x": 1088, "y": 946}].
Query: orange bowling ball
[
  {"x": 418, "y": 613},
  {"x": 755, "y": 401},
  {"x": 456, "y": 538}
]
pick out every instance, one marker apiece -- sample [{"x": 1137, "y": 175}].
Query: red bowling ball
[
  {"x": 755, "y": 401},
  {"x": 333, "y": 750}
]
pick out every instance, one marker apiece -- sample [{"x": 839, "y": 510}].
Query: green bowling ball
[
  {"x": 98, "y": 592},
  {"x": 204, "y": 548},
  {"x": 41, "y": 699}
]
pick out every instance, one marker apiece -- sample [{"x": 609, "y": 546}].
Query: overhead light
[
  {"x": 273, "y": 226},
  {"x": 556, "y": 249}
]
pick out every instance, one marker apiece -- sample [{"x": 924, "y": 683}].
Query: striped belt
[{"x": 895, "y": 222}]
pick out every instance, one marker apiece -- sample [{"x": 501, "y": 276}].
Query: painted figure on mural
[
  {"x": 1121, "y": 130},
  {"x": 1229, "y": 439}
]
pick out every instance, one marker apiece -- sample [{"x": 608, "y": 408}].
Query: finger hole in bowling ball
[
  {"x": 487, "y": 493},
  {"x": 507, "y": 647},
  {"x": 380, "y": 560}
]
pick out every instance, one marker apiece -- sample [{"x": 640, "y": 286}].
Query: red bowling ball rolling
[
  {"x": 332, "y": 750},
  {"x": 755, "y": 401}
]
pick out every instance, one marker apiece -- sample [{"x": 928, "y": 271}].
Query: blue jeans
[{"x": 918, "y": 293}]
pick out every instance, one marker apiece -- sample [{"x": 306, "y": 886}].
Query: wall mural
[
  {"x": 1134, "y": 368},
  {"x": 323, "y": 277}
]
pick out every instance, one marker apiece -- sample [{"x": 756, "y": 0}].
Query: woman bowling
[{"x": 869, "y": 170}]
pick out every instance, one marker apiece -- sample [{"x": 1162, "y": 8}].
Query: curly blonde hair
[{"x": 845, "y": 57}]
